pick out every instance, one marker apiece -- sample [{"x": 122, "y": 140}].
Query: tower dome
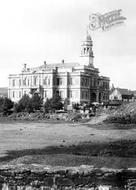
[{"x": 88, "y": 37}]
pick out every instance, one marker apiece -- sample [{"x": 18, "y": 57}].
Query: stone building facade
[{"x": 78, "y": 82}]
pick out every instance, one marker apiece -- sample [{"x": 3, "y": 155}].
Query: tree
[
  {"x": 5, "y": 105},
  {"x": 1, "y": 104},
  {"x": 47, "y": 105},
  {"x": 36, "y": 101},
  {"x": 53, "y": 103},
  {"x": 24, "y": 104},
  {"x": 56, "y": 103}
]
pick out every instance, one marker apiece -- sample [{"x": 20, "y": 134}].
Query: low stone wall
[{"x": 83, "y": 177}]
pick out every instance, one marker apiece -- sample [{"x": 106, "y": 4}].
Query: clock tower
[{"x": 86, "y": 57}]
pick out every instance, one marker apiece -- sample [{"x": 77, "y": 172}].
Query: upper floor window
[
  {"x": 59, "y": 81},
  {"x": 19, "y": 94},
  {"x": 48, "y": 81},
  {"x": 13, "y": 95},
  {"x": 70, "y": 81},
  {"x": 86, "y": 82},
  {"x": 28, "y": 82},
  {"x": 19, "y": 82},
  {"x": 82, "y": 81},
  {"x": 13, "y": 82},
  {"x": 70, "y": 94},
  {"x": 24, "y": 82},
  {"x": 45, "y": 81},
  {"x": 35, "y": 81}
]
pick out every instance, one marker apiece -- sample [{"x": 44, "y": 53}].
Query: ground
[{"x": 68, "y": 144}]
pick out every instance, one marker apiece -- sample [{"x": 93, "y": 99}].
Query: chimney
[
  {"x": 25, "y": 65},
  {"x": 45, "y": 63},
  {"x": 62, "y": 61}
]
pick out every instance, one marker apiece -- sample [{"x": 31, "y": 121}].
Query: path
[{"x": 98, "y": 119}]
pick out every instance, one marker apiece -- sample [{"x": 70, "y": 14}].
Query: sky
[{"x": 34, "y": 31}]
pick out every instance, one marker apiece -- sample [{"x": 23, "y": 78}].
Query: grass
[{"x": 119, "y": 154}]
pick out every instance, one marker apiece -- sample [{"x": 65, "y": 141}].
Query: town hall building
[{"x": 78, "y": 83}]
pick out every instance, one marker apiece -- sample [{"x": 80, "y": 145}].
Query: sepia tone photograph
[{"x": 68, "y": 95}]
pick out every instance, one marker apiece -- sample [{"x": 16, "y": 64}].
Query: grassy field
[{"x": 67, "y": 144}]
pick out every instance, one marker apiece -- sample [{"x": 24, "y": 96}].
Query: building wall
[
  {"x": 78, "y": 86},
  {"x": 115, "y": 95}
]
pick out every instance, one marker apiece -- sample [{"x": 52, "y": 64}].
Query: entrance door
[{"x": 93, "y": 97}]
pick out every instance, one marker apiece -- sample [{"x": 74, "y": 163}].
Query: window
[
  {"x": 13, "y": 95},
  {"x": 24, "y": 82},
  {"x": 82, "y": 81},
  {"x": 35, "y": 81},
  {"x": 91, "y": 81},
  {"x": 70, "y": 94},
  {"x": 28, "y": 82},
  {"x": 45, "y": 94},
  {"x": 19, "y": 94},
  {"x": 70, "y": 81},
  {"x": 85, "y": 95},
  {"x": 54, "y": 81},
  {"x": 45, "y": 81},
  {"x": 48, "y": 81},
  {"x": 59, "y": 81},
  {"x": 82, "y": 95},
  {"x": 13, "y": 82},
  {"x": 61, "y": 93},
  {"x": 19, "y": 82},
  {"x": 86, "y": 82},
  {"x": 95, "y": 82}
]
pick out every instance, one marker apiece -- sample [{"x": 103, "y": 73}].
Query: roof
[
  {"x": 51, "y": 66},
  {"x": 124, "y": 91}
]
